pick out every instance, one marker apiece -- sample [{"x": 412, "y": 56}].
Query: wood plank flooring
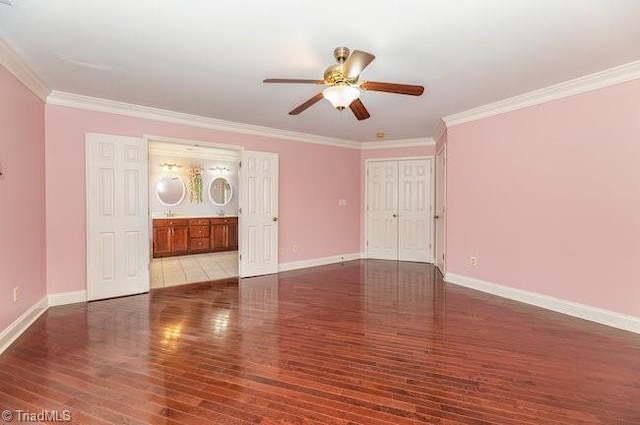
[{"x": 367, "y": 342}]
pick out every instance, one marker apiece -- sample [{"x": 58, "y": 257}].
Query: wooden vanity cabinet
[
  {"x": 170, "y": 237},
  {"x": 181, "y": 236},
  {"x": 199, "y": 235},
  {"x": 224, "y": 234}
]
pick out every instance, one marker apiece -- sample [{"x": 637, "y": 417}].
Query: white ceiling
[{"x": 209, "y": 57}]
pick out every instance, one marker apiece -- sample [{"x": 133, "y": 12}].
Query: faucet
[
  {"x": 222, "y": 212},
  {"x": 170, "y": 213}
]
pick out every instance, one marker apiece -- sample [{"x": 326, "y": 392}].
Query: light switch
[{"x": 342, "y": 202}]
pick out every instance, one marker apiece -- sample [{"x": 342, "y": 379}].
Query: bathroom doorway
[{"x": 193, "y": 207}]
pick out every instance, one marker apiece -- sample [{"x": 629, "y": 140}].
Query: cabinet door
[
  {"x": 218, "y": 237},
  {"x": 233, "y": 236},
  {"x": 180, "y": 239},
  {"x": 161, "y": 241}
]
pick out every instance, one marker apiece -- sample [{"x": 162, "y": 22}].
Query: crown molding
[
  {"x": 441, "y": 128},
  {"x": 390, "y": 144},
  {"x": 120, "y": 108},
  {"x": 22, "y": 71},
  {"x": 608, "y": 77}
]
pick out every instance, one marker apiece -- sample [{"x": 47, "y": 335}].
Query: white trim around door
[{"x": 440, "y": 208}]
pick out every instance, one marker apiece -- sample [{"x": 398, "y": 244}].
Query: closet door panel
[
  {"x": 382, "y": 210},
  {"x": 414, "y": 210}
]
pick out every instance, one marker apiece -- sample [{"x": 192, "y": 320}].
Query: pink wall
[
  {"x": 22, "y": 194},
  {"x": 384, "y": 154},
  {"x": 548, "y": 198},
  {"x": 312, "y": 179}
]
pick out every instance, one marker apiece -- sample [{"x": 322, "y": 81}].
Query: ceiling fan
[{"x": 344, "y": 89}]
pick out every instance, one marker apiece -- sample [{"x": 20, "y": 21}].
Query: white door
[
  {"x": 414, "y": 210},
  {"x": 439, "y": 217},
  {"x": 382, "y": 210},
  {"x": 117, "y": 216},
  {"x": 258, "y": 214}
]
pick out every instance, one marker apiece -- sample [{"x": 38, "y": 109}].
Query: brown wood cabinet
[
  {"x": 170, "y": 237},
  {"x": 199, "y": 235},
  {"x": 224, "y": 234},
  {"x": 181, "y": 236}
]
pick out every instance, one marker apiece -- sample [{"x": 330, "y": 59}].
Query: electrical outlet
[
  {"x": 15, "y": 294},
  {"x": 342, "y": 202},
  {"x": 474, "y": 260},
  {"x": 295, "y": 248}
]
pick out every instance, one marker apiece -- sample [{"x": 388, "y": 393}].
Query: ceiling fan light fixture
[{"x": 341, "y": 95}]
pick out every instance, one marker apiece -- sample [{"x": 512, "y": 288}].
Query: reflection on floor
[
  {"x": 365, "y": 342},
  {"x": 173, "y": 271}
]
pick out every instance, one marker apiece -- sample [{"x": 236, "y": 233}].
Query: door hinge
[
  {"x": 240, "y": 210},
  {"x": 367, "y": 243},
  {"x": 240, "y": 164},
  {"x": 240, "y": 257}
]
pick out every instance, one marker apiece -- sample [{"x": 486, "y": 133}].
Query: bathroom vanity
[{"x": 194, "y": 235}]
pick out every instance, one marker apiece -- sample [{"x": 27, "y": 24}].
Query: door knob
[
  {"x": 395, "y": 215},
  {"x": 436, "y": 217},
  {"x": 275, "y": 218}
]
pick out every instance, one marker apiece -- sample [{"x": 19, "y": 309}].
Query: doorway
[
  {"x": 136, "y": 213},
  {"x": 399, "y": 209},
  {"x": 193, "y": 207}
]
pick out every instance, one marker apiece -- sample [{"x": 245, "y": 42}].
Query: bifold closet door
[
  {"x": 399, "y": 212},
  {"x": 382, "y": 210},
  {"x": 414, "y": 210}
]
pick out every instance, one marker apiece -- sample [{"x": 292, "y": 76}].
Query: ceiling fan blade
[
  {"x": 309, "y": 103},
  {"x": 393, "y": 88},
  {"x": 357, "y": 61},
  {"x": 292, "y": 81},
  {"x": 358, "y": 109}
]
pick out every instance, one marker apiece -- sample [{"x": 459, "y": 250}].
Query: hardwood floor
[{"x": 367, "y": 342}]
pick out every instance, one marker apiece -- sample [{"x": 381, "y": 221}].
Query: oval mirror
[
  {"x": 170, "y": 191},
  {"x": 220, "y": 191}
]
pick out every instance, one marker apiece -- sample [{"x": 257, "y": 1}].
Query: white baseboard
[
  {"x": 22, "y": 323},
  {"x": 63, "y": 298},
  {"x": 313, "y": 262},
  {"x": 594, "y": 314}
]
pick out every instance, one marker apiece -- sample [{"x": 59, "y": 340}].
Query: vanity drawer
[
  {"x": 199, "y": 231},
  {"x": 199, "y": 244},
  {"x": 224, "y": 220},
  {"x": 199, "y": 222},
  {"x": 168, "y": 222}
]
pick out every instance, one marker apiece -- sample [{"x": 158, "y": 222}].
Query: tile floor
[{"x": 171, "y": 271}]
